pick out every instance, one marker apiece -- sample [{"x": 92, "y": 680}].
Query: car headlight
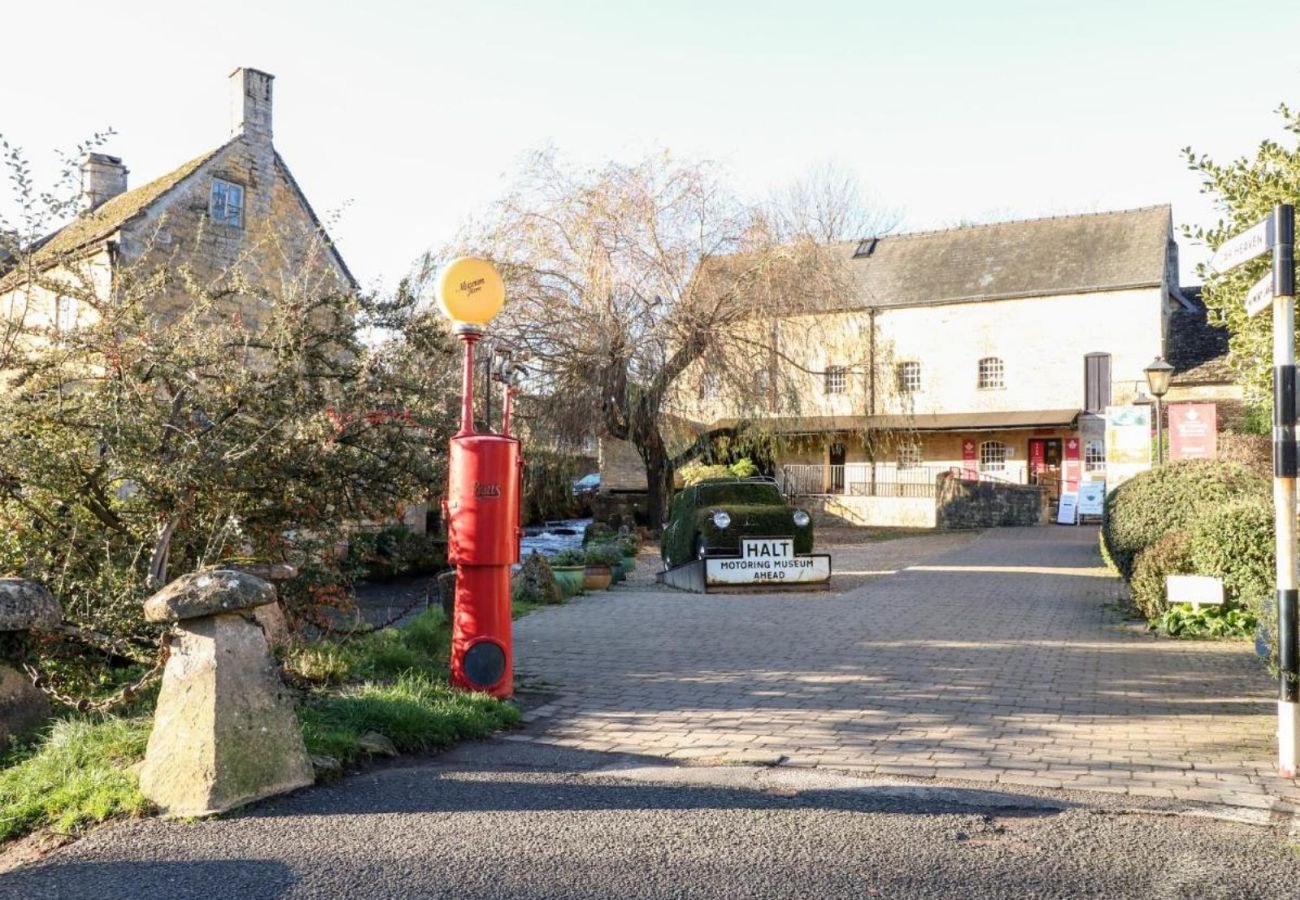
[
  {"x": 721, "y": 520},
  {"x": 801, "y": 518}
]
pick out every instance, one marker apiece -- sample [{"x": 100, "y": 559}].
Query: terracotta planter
[
  {"x": 570, "y": 578},
  {"x": 598, "y": 578}
]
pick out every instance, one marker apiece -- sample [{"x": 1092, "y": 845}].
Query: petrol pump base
[{"x": 481, "y": 648}]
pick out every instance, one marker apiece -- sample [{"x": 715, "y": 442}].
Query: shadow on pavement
[{"x": 74, "y": 880}]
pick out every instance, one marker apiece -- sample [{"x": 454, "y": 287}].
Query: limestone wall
[{"x": 985, "y": 504}]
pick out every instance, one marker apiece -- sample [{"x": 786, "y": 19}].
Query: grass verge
[{"x": 391, "y": 682}]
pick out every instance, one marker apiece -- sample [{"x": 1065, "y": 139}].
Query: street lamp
[
  {"x": 481, "y": 508},
  {"x": 1158, "y": 375}
]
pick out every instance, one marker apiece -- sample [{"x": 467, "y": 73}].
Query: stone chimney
[
  {"x": 250, "y": 104},
  {"x": 103, "y": 177}
]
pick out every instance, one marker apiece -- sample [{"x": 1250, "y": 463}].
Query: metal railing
[{"x": 859, "y": 480}]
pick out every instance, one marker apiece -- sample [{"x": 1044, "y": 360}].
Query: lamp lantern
[
  {"x": 1158, "y": 375},
  {"x": 471, "y": 293}
]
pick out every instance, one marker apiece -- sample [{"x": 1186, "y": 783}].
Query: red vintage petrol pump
[{"x": 482, "y": 505}]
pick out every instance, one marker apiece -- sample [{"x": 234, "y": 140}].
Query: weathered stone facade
[{"x": 988, "y": 504}]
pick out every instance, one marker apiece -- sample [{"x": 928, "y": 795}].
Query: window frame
[
  {"x": 224, "y": 187},
  {"x": 835, "y": 380},
  {"x": 986, "y": 461},
  {"x": 986, "y": 369},
  {"x": 903, "y": 376},
  {"x": 1094, "y": 462},
  {"x": 909, "y": 455},
  {"x": 1104, "y": 386}
]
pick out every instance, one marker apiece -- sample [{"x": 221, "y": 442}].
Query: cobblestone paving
[{"x": 993, "y": 658}]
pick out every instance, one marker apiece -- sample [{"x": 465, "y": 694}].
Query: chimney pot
[
  {"x": 250, "y": 104},
  {"x": 103, "y": 177}
]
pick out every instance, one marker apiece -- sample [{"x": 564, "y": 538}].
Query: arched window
[
  {"x": 990, "y": 373},
  {"x": 993, "y": 456}
]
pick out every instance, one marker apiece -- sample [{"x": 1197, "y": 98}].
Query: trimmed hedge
[
  {"x": 1166, "y": 498},
  {"x": 1235, "y": 542},
  {"x": 1170, "y": 555}
]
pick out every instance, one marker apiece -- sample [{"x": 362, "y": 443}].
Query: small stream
[{"x": 552, "y": 537}]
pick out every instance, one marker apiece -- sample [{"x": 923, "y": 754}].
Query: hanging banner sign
[
  {"x": 1193, "y": 431},
  {"x": 1244, "y": 247},
  {"x": 969, "y": 459},
  {"x": 1072, "y": 464},
  {"x": 1128, "y": 443}
]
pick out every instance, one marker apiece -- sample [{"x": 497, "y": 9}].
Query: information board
[{"x": 1067, "y": 509}]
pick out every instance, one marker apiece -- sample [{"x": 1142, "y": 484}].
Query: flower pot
[
  {"x": 629, "y": 565},
  {"x": 619, "y": 573},
  {"x": 570, "y": 578},
  {"x": 598, "y": 578}
]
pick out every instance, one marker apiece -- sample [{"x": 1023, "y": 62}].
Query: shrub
[
  {"x": 1210, "y": 622},
  {"x": 535, "y": 582},
  {"x": 570, "y": 557},
  {"x": 1171, "y": 554},
  {"x": 607, "y": 554},
  {"x": 1172, "y": 496},
  {"x": 1235, "y": 543},
  {"x": 393, "y": 551},
  {"x": 694, "y": 473},
  {"x": 597, "y": 533}
]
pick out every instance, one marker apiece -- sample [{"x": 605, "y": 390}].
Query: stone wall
[
  {"x": 621, "y": 466},
  {"x": 989, "y": 504},
  {"x": 872, "y": 512}
]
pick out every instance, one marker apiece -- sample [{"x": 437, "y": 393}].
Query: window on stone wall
[
  {"x": 993, "y": 456},
  {"x": 909, "y": 377},
  {"x": 227, "y": 205},
  {"x": 909, "y": 454},
  {"x": 837, "y": 379},
  {"x": 990, "y": 373},
  {"x": 1094, "y": 456}
]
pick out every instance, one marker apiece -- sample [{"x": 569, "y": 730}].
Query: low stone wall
[
  {"x": 989, "y": 504},
  {"x": 872, "y": 512}
]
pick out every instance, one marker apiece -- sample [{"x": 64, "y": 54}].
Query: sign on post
[
  {"x": 1244, "y": 247},
  {"x": 1193, "y": 431},
  {"x": 767, "y": 561},
  {"x": 1128, "y": 442},
  {"x": 1260, "y": 297}
]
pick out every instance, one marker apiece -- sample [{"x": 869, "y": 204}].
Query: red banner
[
  {"x": 969, "y": 459},
  {"x": 1193, "y": 431},
  {"x": 1071, "y": 464}
]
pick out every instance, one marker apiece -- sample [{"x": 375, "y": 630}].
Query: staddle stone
[
  {"x": 23, "y": 708},
  {"x": 224, "y": 732},
  {"x": 27, "y": 606},
  {"x": 206, "y": 593}
]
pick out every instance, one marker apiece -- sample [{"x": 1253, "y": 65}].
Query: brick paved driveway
[{"x": 990, "y": 657}]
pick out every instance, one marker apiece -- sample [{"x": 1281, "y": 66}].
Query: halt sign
[{"x": 767, "y": 561}]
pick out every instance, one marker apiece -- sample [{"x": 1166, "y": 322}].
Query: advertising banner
[
  {"x": 1193, "y": 431},
  {"x": 1071, "y": 464},
  {"x": 969, "y": 459},
  {"x": 1128, "y": 443}
]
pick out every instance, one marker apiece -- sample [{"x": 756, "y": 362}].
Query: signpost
[
  {"x": 1193, "y": 431},
  {"x": 1277, "y": 233},
  {"x": 767, "y": 561}
]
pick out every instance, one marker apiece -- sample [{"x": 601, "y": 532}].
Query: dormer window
[{"x": 227, "y": 206}]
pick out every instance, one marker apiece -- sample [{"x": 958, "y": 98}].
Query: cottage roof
[
  {"x": 1033, "y": 257},
  {"x": 1197, "y": 350}
]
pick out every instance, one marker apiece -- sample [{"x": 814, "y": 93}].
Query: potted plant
[
  {"x": 570, "y": 568},
  {"x": 629, "y": 545},
  {"x": 601, "y": 559}
]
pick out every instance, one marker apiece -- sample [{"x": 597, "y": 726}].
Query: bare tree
[
  {"x": 827, "y": 204},
  {"x": 628, "y": 284}
]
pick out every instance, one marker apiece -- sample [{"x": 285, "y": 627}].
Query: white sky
[{"x": 410, "y": 113}]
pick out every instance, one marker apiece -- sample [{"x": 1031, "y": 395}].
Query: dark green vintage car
[{"x": 710, "y": 518}]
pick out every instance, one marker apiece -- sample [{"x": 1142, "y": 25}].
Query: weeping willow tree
[{"x": 625, "y": 279}]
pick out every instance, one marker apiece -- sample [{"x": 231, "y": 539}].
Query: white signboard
[
  {"x": 1067, "y": 509},
  {"x": 1194, "y": 589},
  {"x": 1244, "y": 247},
  {"x": 1260, "y": 297},
  {"x": 767, "y": 561},
  {"x": 1092, "y": 498}
]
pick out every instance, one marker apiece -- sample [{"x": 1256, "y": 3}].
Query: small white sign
[
  {"x": 1092, "y": 498},
  {"x": 1067, "y": 509},
  {"x": 794, "y": 570},
  {"x": 1244, "y": 247},
  {"x": 767, "y": 548},
  {"x": 1194, "y": 589},
  {"x": 1260, "y": 297}
]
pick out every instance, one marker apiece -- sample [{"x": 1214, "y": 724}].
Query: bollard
[
  {"x": 224, "y": 733},
  {"x": 24, "y": 606}
]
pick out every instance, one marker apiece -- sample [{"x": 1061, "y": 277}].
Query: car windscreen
[{"x": 740, "y": 493}]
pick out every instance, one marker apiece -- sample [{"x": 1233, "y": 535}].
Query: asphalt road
[{"x": 505, "y": 819}]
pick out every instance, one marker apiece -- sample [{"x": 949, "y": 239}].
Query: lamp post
[
  {"x": 482, "y": 504},
  {"x": 1158, "y": 375}
]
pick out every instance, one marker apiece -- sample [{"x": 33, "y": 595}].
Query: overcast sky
[{"x": 409, "y": 114}]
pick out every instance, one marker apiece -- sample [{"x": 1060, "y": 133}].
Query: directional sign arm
[{"x": 1252, "y": 242}]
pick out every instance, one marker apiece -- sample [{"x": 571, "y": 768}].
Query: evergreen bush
[
  {"x": 1171, "y": 554},
  {"x": 1235, "y": 542}
]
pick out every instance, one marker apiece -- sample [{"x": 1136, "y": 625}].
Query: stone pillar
[
  {"x": 224, "y": 733},
  {"x": 24, "y": 606}
]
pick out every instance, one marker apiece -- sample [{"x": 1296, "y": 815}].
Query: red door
[{"x": 1045, "y": 463}]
